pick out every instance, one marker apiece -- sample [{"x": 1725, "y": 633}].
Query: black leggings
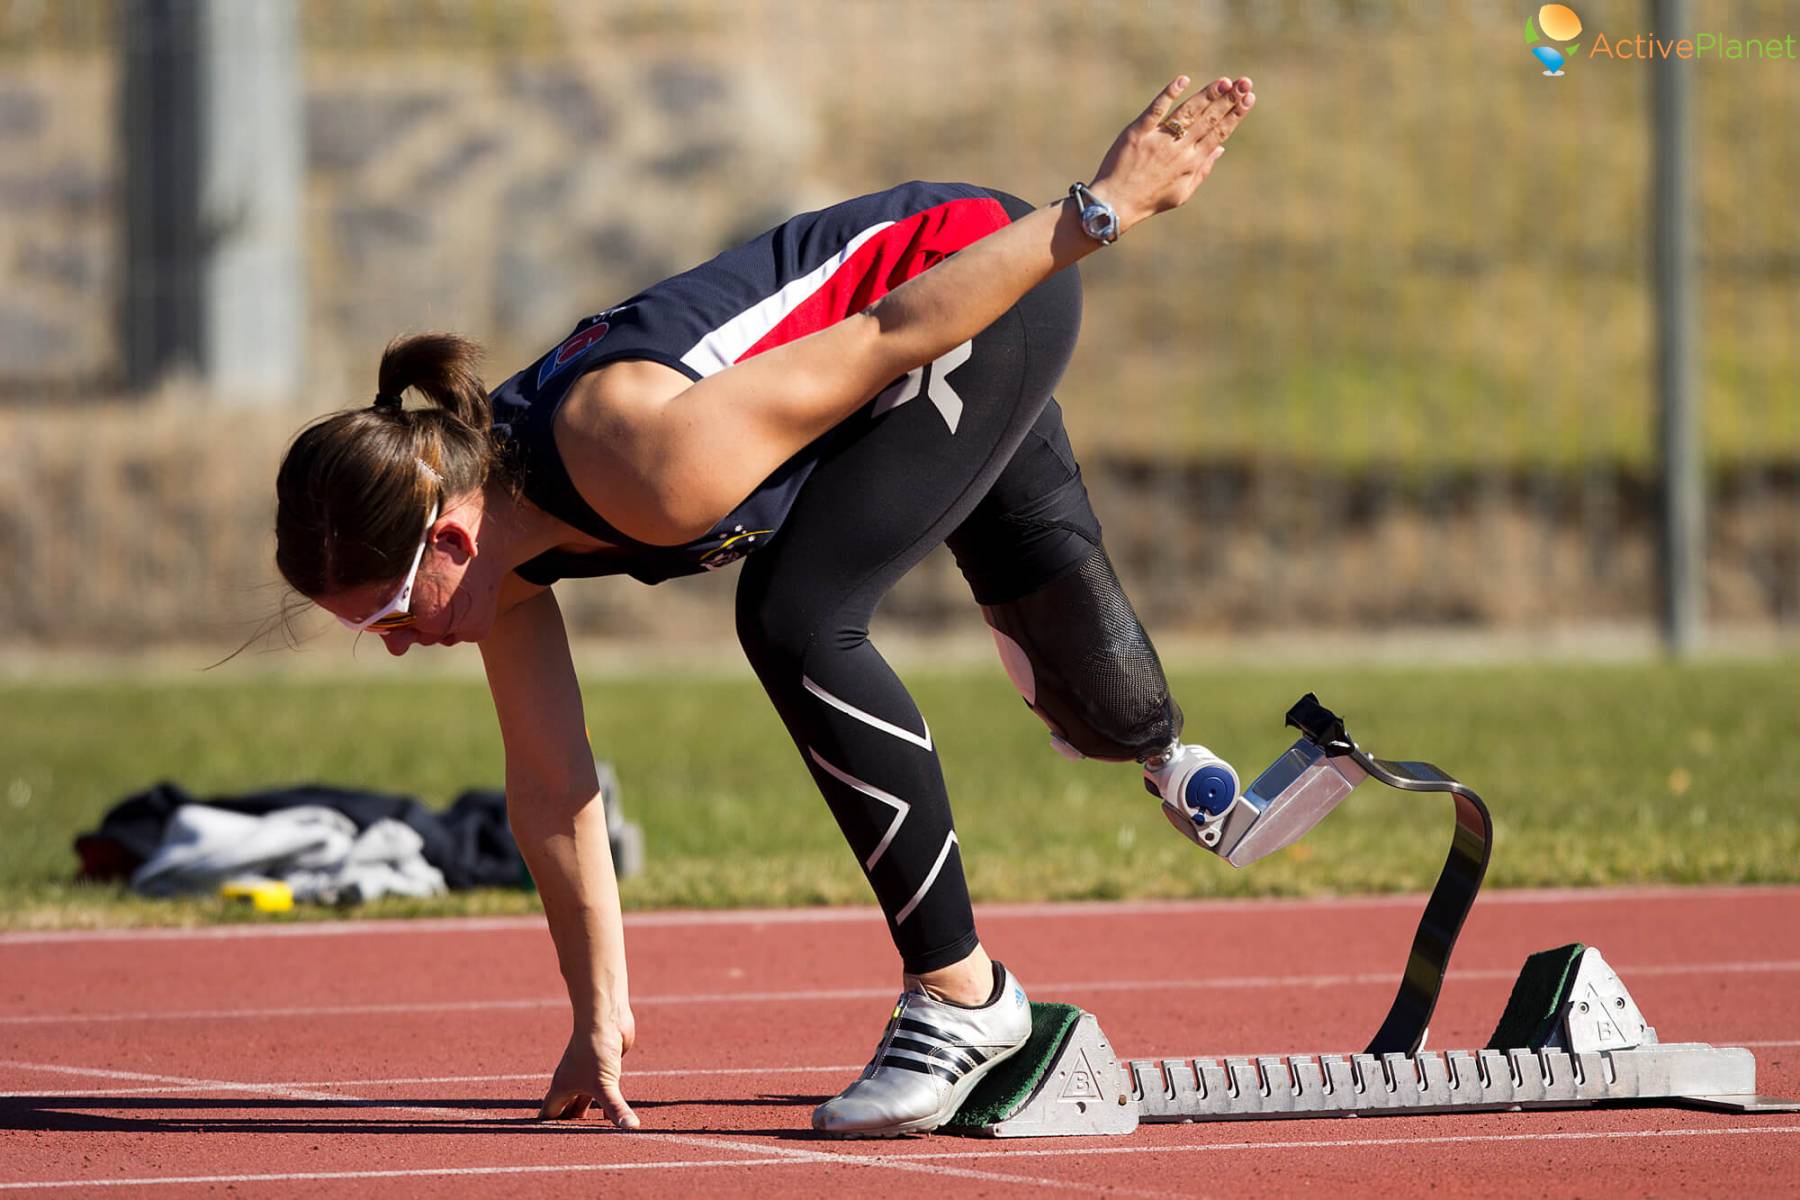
[{"x": 970, "y": 450}]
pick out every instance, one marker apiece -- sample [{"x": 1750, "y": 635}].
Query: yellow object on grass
[{"x": 264, "y": 895}]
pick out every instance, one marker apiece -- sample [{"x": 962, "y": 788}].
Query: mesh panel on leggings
[
  {"x": 1096, "y": 671},
  {"x": 1122, "y": 668}
]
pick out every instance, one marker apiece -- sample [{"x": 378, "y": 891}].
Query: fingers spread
[{"x": 1166, "y": 98}]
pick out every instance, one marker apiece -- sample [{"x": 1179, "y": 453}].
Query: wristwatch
[{"x": 1098, "y": 220}]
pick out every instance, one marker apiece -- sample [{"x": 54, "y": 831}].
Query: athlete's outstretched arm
[
  {"x": 665, "y": 461},
  {"x": 554, "y": 807}
]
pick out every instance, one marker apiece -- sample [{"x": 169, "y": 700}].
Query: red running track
[{"x": 407, "y": 1058}]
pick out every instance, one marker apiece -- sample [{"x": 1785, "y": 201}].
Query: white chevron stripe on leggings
[
  {"x": 929, "y": 879},
  {"x": 874, "y": 793},
  {"x": 869, "y": 719}
]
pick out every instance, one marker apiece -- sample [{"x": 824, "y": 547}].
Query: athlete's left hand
[
  {"x": 590, "y": 1071},
  {"x": 1159, "y": 160}
]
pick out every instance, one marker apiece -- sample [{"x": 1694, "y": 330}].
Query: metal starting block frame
[
  {"x": 1451, "y": 1081},
  {"x": 1594, "y": 1049}
]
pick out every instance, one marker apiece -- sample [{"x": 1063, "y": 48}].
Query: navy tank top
[{"x": 801, "y": 276}]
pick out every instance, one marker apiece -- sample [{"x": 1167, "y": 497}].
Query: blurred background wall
[{"x": 1395, "y": 369}]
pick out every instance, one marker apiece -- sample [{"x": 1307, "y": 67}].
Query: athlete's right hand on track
[
  {"x": 1159, "y": 159},
  {"x": 589, "y": 1072}
]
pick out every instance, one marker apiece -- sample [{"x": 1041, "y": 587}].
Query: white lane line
[
  {"x": 538, "y": 1077},
  {"x": 308, "y": 929},
  {"x": 417, "y": 1173},
  {"x": 143, "y": 1076},
  {"x": 1051, "y": 910},
  {"x": 277, "y": 1090},
  {"x": 922, "y": 1161},
  {"x": 1468, "y": 1139},
  {"x": 1220, "y": 983},
  {"x": 324, "y": 1010},
  {"x": 786, "y": 1159},
  {"x": 768, "y": 1153},
  {"x": 900, "y": 1162}
]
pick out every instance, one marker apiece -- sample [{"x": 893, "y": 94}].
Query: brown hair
[{"x": 355, "y": 487}]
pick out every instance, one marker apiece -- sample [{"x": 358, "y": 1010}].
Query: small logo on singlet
[
  {"x": 577, "y": 343},
  {"x": 737, "y": 544}
]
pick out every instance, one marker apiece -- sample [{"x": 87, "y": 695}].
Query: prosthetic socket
[{"x": 1079, "y": 656}]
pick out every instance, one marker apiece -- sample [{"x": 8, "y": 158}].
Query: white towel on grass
[{"x": 314, "y": 850}]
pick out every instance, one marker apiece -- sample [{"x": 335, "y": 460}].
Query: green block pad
[
  {"x": 1004, "y": 1089},
  {"x": 1537, "y": 996}
]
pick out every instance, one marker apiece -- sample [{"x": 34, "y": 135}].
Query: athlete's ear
[{"x": 451, "y": 537}]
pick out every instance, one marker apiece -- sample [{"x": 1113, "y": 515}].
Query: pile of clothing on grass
[{"x": 330, "y": 845}]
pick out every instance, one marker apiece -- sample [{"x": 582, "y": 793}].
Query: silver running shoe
[{"x": 931, "y": 1056}]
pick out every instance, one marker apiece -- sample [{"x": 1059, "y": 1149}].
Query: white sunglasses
[{"x": 397, "y": 613}]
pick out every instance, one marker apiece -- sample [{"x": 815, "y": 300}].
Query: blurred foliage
[{"x": 1419, "y": 248}]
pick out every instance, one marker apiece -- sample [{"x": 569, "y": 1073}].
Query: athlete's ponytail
[
  {"x": 441, "y": 368},
  {"x": 355, "y": 487}
]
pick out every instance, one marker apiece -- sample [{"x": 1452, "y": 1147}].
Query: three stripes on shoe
[{"x": 914, "y": 1045}]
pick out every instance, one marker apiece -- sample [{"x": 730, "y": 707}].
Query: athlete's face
[{"x": 453, "y": 597}]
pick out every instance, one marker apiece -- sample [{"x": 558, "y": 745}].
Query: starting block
[{"x": 1571, "y": 1035}]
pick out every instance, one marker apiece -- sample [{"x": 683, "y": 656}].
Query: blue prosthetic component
[{"x": 1210, "y": 790}]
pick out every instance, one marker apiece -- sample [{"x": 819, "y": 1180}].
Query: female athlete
[{"x": 828, "y": 403}]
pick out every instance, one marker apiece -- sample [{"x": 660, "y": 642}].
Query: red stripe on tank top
[{"x": 904, "y": 250}]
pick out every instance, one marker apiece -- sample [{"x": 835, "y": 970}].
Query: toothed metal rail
[{"x": 1452, "y": 1081}]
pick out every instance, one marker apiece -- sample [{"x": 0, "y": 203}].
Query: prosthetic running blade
[
  {"x": 1312, "y": 777},
  {"x": 1571, "y": 1035}
]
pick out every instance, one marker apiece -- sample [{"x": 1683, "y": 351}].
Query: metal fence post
[
  {"x": 1683, "y": 540},
  {"x": 212, "y": 128}
]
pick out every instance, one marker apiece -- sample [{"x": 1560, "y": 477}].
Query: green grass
[{"x": 1596, "y": 773}]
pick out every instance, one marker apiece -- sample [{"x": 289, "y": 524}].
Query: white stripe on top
[{"x": 726, "y": 344}]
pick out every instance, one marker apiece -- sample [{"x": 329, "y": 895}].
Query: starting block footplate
[{"x": 1082, "y": 1091}]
